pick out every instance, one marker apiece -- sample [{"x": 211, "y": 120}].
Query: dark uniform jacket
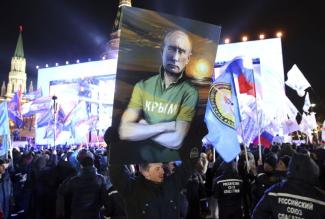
[
  {"x": 295, "y": 198},
  {"x": 228, "y": 189},
  {"x": 147, "y": 200}
]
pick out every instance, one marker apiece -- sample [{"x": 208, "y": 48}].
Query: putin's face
[{"x": 176, "y": 52}]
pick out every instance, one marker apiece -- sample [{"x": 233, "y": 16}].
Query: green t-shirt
[{"x": 177, "y": 102}]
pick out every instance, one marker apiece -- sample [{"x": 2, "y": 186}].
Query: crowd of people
[{"x": 78, "y": 183}]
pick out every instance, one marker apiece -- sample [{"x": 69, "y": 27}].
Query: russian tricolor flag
[
  {"x": 266, "y": 139},
  {"x": 245, "y": 75}
]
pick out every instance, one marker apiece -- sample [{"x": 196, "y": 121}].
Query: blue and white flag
[
  {"x": 14, "y": 109},
  {"x": 38, "y": 105},
  {"x": 4, "y": 128},
  {"x": 222, "y": 115},
  {"x": 4, "y": 119},
  {"x": 34, "y": 94}
]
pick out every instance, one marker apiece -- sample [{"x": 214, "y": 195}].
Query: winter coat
[
  {"x": 228, "y": 189},
  {"x": 147, "y": 200},
  {"x": 84, "y": 194},
  {"x": 296, "y": 197},
  {"x": 5, "y": 194}
]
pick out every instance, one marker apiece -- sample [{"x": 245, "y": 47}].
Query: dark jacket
[
  {"x": 147, "y": 200},
  {"x": 115, "y": 206},
  {"x": 5, "y": 193},
  {"x": 297, "y": 197},
  {"x": 85, "y": 194},
  {"x": 197, "y": 197},
  {"x": 228, "y": 189}
]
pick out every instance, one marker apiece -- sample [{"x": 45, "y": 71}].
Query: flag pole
[
  {"x": 245, "y": 149},
  {"x": 258, "y": 123},
  {"x": 55, "y": 105}
]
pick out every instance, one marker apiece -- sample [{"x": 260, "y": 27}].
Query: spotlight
[
  {"x": 227, "y": 40},
  {"x": 279, "y": 34},
  {"x": 56, "y": 64},
  {"x": 262, "y": 36},
  {"x": 244, "y": 38},
  {"x": 37, "y": 67},
  {"x": 46, "y": 66},
  {"x": 66, "y": 62},
  {"x": 78, "y": 61}
]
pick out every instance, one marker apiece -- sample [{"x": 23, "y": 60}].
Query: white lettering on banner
[{"x": 162, "y": 108}]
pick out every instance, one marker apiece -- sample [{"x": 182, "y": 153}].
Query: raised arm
[{"x": 132, "y": 129}]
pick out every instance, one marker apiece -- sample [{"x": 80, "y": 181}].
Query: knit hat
[
  {"x": 271, "y": 160},
  {"x": 300, "y": 165},
  {"x": 285, "y": 159}
]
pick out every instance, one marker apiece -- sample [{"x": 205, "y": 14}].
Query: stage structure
[
  {"x": 271, "y": 102},
  {"x": 83, "y": 103}
]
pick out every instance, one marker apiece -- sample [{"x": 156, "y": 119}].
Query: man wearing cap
[{"x": 265, "y": 178}]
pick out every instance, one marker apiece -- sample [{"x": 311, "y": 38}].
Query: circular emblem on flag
[{"x": 220, "y": 97}]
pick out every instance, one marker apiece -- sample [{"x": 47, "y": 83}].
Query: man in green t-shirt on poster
[{"x": 162, "y": 107}]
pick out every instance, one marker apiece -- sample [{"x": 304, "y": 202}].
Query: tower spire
[
  {"x": 19, "y": 52},
  {"x": 113, "y": 44},
  {"x": 17, "y": 74}
]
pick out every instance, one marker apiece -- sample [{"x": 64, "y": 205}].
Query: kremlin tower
[{"x": 17, "y": 74}]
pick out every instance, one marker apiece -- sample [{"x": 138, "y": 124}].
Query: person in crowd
[
  {"x": 247, "y": 171},
  {"x": 320, "y": 160},
  {"x": 22, "y": 183},
  {"x": 115, "y": 208},
  {"x": 296, "y": 197},
  {"x": 282, "y": 167},
  {"x": 228, "y": 189},
  {"x": 5, "y": 189},
  {"x": 196, "y": 192},
  {"x": 83, "y": 196},
  {"x": 151, "y": 194},
  {"x": 265, "y": 177},
  {"x": 214, "y": 161}
]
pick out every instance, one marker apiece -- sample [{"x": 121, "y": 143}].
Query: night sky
[{"x": 60, "y": 30}]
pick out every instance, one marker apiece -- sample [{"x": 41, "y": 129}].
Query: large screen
[{"x": 84, "y": 102}]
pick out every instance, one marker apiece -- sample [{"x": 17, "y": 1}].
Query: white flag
[
  {"x": 297, "y": 81},
  {"x": 289, "y": 126},
  {"x": 307, "y": 103},
  {"x": 308, "y": 123},
  {"x": 290, "y": 109}
]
